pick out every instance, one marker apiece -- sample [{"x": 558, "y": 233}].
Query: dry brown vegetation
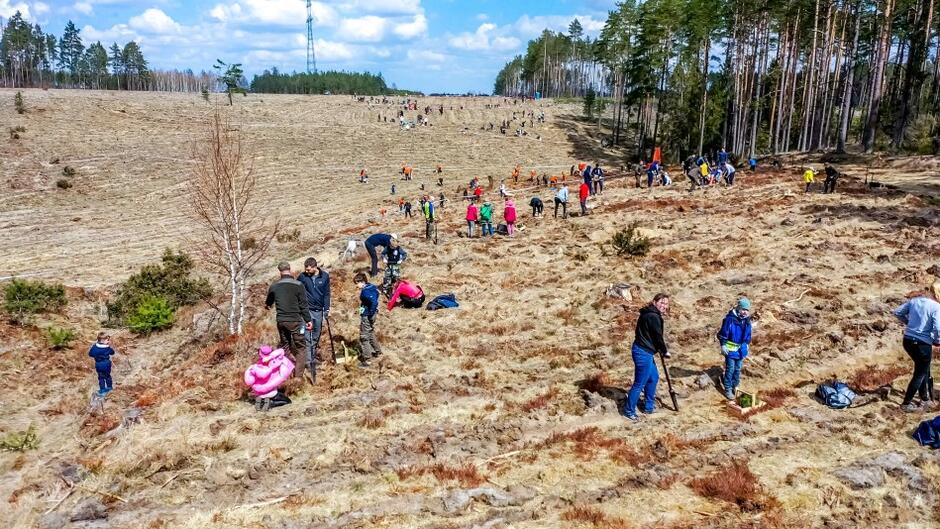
[{"x": 486, "y": 397}]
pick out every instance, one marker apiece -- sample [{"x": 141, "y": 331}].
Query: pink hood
[
  {"x": 269, "y": 373},
  {"x": 510, "y": 212}
]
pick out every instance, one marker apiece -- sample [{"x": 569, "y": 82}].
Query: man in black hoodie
[{"x": 647, "y": 342}]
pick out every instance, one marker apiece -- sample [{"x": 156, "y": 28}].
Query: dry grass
[
  {"x": 735, "y": 484},
  {"x": 595, "y": 518},
  {"x": 595, "y": 383},
  {"x": 540, "y": 401},
  {"x": 871, "y": 377},
  {"x": 588, "y": 443},
  {"x": 466, "y": 475}
]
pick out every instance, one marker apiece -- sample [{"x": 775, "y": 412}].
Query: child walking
[{"x": 101, "y": 351}]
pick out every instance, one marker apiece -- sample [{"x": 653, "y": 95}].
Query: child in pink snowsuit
[
  {"x": 509, "y": 213},
  {"x": 267, "y": 375}
]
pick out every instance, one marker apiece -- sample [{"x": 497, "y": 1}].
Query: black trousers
[
  {"x": 564, "y": 208},
  {"x": 375, "y": 259},
  {"x": 921, "y": 354}
]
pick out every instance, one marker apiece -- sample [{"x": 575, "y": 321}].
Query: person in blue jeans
[
  {"x": 101, "y": 351},
  {"x": 647, "y": 342},
  {"x": 735, "y": 340}
]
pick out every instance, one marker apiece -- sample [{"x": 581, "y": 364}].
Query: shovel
[
  {"x": 329, "y": 332},
  {"x": 672, "y": 392}
]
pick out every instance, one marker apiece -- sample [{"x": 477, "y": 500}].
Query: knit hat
[
  {"x": 264, "y": 352},
  {"x": 744, "y": 304}
]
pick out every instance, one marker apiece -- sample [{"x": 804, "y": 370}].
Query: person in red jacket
[
  {"x": 477, "y": 193},
  {"x": 473, "y": 215},
  {"x": 408, "y": 295},
  {"x": 583, "y": 196}
]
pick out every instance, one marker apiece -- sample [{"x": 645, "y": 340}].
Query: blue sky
[{"x": 428, "y": 45}]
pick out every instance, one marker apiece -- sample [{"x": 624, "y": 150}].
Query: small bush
[
  {"x": 18, "y": 103},
  {"x": 15, "y": 132},
  {"x": 59, "y": 337},
  {"x": 23, "y": 297},
  {"x": 62, "y": 183},
  {"x": 290, "y": 236},
  {"x": 68, "y": 171},
  {"x": 734, "y": 484},
  {"x": 205, "y": 94},
  {"x": 169, "y": 280},
  {"x": 870, "y": 377},
  {"x": 20, "y": 441},
  {"x": 151, "y": 314},
  {"x": 629, "y": 242}
]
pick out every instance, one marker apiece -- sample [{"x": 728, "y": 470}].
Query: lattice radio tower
[{"x": 311, "y": 53}]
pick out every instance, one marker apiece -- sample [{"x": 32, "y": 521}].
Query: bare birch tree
[{"x": 235, "y": 234}]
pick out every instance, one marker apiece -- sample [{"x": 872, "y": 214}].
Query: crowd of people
[{"x": 302, "y": 302}]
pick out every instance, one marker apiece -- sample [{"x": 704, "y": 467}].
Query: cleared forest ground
[{"x": 499, "y": 414}]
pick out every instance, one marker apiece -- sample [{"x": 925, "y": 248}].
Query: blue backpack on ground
[
  {"x": 928, "y": 433},
  {"x": 835, "y": 394},
  {"x": 444, "y": 301}
]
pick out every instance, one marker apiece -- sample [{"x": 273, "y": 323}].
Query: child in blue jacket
[
  {"x": 735, "y": 340},
  {"x": 101, "y": 351}
]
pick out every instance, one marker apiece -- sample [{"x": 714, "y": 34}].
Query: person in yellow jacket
[{"x": 809, "y": 177}]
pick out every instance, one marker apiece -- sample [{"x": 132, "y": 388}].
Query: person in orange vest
[
  {"x": 440, "y": 169},
  {"x": 554, "y": 182},
  {"x": 532, "y": 176}
]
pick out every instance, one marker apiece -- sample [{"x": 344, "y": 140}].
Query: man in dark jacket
[
  {"x": 832, "y": 177},
  {"x": 316, "y": 284},
  {"x": 377, "y": 239},
  {"x": 368, "y": 308},
  {"x": 394, "y": 255},
  {"x": 648, "y": 341},
  {"x": 293, "y": 315}
]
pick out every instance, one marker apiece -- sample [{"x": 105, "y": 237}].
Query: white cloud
[
  {"x": 333, "y": 51},
  {"x": 154, "y": 21},
  {"x": 382, "y": 7},
  {"x": 426, "y": 56},
  {"x": 483, "y": 39},
  {"x": 363, "y": 29},
  {"x": 117, "y": 33},
  {"x": 8, "y": 9},
  {"x": 274, "y": 12},
  {"x": 83, "y": 7},
  {"x": 41, "y": 8},
  {"x": 415, "y": 28},
  {"x": 533, "y": 26}
]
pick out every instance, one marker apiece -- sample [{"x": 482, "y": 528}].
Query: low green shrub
[
  {"x": 59, "y": 337},
  {"x": 153, "y": 313},
  {"x": 62, "y": 183},
  {"x": 18, "y": 103},
  {"x": 169, "y": 280},
  {"x": 629, "y": 242},
  {"x": 22, "y": 297},
  {"x": 20, "y": 441}
]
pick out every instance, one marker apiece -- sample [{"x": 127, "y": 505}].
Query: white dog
[{"x": 351, "y": 247}]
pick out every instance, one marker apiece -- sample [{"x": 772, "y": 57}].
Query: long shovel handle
[
  {"x": 329, "y": 332},
  {"x": 672, "y": 393}
]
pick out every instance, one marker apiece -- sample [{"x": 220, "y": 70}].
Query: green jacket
[{"x": 486, "y": 213}]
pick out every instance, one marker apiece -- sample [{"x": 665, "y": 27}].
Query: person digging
[
  {"x": 921, "y": 319},
  {"x": 289, "y": 298},
  {"x": 648, "y": 342},
  {"x": 735, "y": 340},
  {"x": 394, "y": 255}
]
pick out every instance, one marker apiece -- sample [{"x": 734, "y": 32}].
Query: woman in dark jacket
[{"x": 647, "y": 342}]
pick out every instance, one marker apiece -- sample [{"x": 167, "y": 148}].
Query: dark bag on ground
[
  {"x": 835, "y": 394},
  {"x": 412, "y": 303},
  {"x": 501, "y": 229},
  {"x": 928, "y": 433},
  {"x": 444, "y": 301}
]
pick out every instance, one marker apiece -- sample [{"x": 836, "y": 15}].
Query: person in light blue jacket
[
  {"x": 735, "y": 340},
  {"x": 921, "y": 317}
]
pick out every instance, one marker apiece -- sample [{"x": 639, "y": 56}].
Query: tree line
[
  {"x": 274, "y": 82},
  {"x": 31, "y": 58},
  {"x": 752, "y": 76}
]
